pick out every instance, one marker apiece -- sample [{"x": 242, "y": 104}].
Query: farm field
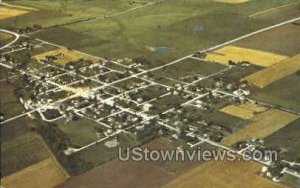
[
  {"x": 224, "y": 174},
  {"x": 35, "y": 176},
  {"x": 10, "y": 105},
  {"x": 177, "y": 36},
  {"x": 262, "y": 126},
  {"x": 188, "y": 69},
  {"x": 276, "y": 95},
  {"x": 7, "y": 13},
  {"x": 158, "y": 172},
  {"x": 86, "y": 77},
  {"x": 244, "y": 111},
  {"x": 51, "y": 13},
  {"x": 21, "y": 152},
  {"x": 237, "y": 54},
  {"x": 286, "y": 140},
  {"x": 276, "y": 72},
  {"x": 230, "y": 122},
  {"x": 282, "y": 40}
]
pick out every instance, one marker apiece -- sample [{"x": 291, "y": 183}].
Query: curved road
[{"x": 17, "y": 36}]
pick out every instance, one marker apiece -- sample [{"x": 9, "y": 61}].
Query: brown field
[
  {"x": 232, "y": 1},
  {"x": 68, "y": 55},
  {"x": 271, "y": 74},
  {"x": 7, "y": 13},
  {"x": 46, "y": 174},
  {"x": 116, "y": 173},
  {"x": 5, "y": 36},
  {"x": 243, "y": 111},
  {"x": 262, "y": 126},
  {"x": 237, "y": 54},
  {"x": 224, "y": 174}
]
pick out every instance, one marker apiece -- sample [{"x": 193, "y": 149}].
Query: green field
[
  {"x": 10, "y": 106},
  {"x": 81, "y": 132},
  {"x": 286, "y": 140},
  {"x": 133, "y": 34},
  {"x": 185, "y": 70},
  {"x": 283, "y": 93},
  {"x": 22, "y": 152}
]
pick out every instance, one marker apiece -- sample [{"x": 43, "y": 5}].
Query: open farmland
[
  {"x": 276, "y": 94},
  {"x": 262, "y": 126},
  {"x": 224, "y": 174},
  {"x": 7, "y": 12},
  {"x": 244, "y": 111},
  {"x": 22, "y": 152},
  {"x": 10, "y": 105},
  {"x": 237, "y": 54},
  {"x": 191, "y": 28},
  {"x": 276, "y": 72},
  {"x": 287, "y": 140},
  {"x": 158, "y": 172},
  {"x": 282, "y": 40},
  {"x": 83, "y": 79},
  {"x": 189, "y": 69},
  {"x": 46, "y": 173}
]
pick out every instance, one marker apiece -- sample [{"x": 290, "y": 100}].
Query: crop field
[
  {"x": 68, "y": 56},
  {"x": 244, "y": 111},
  {"x": 224, "y": 174},
  {"x": 178, "y": 36},
  {"x": 49, "y": 13},
  {"x": 159, "y": 172},
  {"x": 238, "y": 54},
  {"x": 232, "y": 123},
  {"x": 188, "y": 69},
  {"x": 10, "y": 104},
  {"x": 291, "y": 181},
  {"x": 286, "y": 140},
  {"x": 45, "y": 173},
  {"x": 276, "y": 72},
  {"x": 283, "y": 40},
  {"x": 287, "y": 97},
  {"x": 262, "y": 126},
  {"x": 7, "y": 12},
  {"x": 87, "y": 77},
  {"x": 22, "y": 152}
]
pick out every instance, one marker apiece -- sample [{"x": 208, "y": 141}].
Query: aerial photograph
[{"x": 150, "y": 93}]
